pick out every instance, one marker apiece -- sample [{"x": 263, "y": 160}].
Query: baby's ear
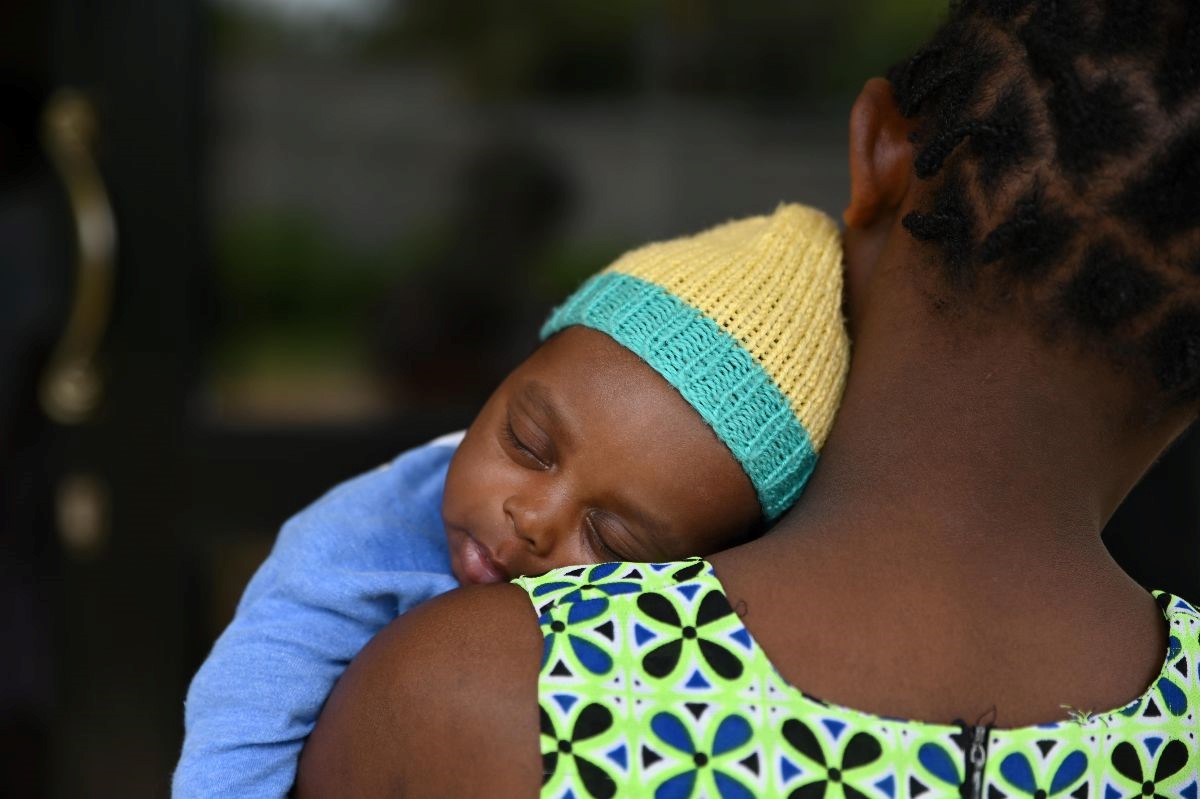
[{"x": 881, "y": 154}]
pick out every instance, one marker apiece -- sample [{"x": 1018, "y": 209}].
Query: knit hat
[{"x": 745, "y": 321}]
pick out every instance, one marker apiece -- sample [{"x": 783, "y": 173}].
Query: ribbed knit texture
[{"x": 744, "y": 320}]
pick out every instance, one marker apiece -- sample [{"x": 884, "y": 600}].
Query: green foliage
[
  {"x": 287, "y": 285},
  {"x": 295, "y": 297},
  {"x": 284, "y": 268}
]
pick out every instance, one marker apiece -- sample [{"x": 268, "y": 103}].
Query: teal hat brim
[{"x": 726, "y": 385}]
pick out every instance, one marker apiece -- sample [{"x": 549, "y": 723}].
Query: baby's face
[{"x": 585, "y": 454}]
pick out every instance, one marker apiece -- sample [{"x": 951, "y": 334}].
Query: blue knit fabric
[
  {"x": 363, "y": 554},
  {"x": 714, "y": 373}
]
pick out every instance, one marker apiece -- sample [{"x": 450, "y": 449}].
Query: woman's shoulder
[{"x": 442, "y": 702}]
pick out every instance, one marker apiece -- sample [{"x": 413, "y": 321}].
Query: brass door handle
[{"x": 71, "y": 385}]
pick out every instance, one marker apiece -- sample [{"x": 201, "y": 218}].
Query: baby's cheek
[
  {"x": 471, "y": 461},
  {"x": 464, "y": 491}
]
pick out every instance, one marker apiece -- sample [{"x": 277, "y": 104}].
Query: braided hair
[{"x": 1062, "y": 142}]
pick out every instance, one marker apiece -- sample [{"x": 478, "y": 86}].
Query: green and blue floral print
[{"x": 651, "y": 686}]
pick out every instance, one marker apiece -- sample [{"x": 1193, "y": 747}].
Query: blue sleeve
[{"x": 340, "y": 570}]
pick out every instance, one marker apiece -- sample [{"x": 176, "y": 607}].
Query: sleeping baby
[{"x": 675, "y": 407}]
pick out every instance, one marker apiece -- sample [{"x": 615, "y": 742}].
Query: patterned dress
[{"x": 650, "y": 686}]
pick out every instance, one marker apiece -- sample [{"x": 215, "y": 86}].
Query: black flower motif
[
  {"x": 592, "y": 721},
  {"x": 862, "y": 749},
  {"x": 662, "y": 660},
  {"x": 1171, "y": 758}
]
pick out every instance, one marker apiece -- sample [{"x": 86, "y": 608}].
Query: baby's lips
[{"x": 477, "y": 564}]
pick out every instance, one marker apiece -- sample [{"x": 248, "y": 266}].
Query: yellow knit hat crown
[{"x": 745, "y": 320}]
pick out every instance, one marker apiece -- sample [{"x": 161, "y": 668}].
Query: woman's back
[{"x": 874, "y": 626}]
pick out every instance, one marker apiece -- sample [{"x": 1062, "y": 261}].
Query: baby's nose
[
  {"x": 539, "y": 523},
  {"x": 529, "y": 550},
  {"x": 535, "y": 530}
]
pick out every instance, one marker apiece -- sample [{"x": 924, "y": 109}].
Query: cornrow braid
[
  {"x": 1166, "y": 200},
  {"x": 1128, "y": 26},
  {"x": 1031, "y": 240},
  {"x": 1174, "y": 349},
  {"x": 1096, "y": 121},
  {"x": 929, "y": 63},
  {"x": 1062, "y": 142},
  {"x": 951, "y": 226},
  {"x": 1052, "y": 38},
  {"x": 1110, "y": 287},
  {"x": 1179, "y": 73},
  {"x": 1002, "y": 141}
]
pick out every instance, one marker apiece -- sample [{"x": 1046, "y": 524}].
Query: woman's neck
[
  {"x": 986, "y": 446},
  {"x": 952, "y": 523}
]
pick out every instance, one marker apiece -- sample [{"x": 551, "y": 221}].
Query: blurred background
[{"x": 249, "y": 248}]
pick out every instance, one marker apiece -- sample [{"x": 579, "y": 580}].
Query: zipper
[{"x": 976, "y": 758}]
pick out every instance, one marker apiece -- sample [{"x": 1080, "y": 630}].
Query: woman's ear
[{"x": 880, "y": 154}]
